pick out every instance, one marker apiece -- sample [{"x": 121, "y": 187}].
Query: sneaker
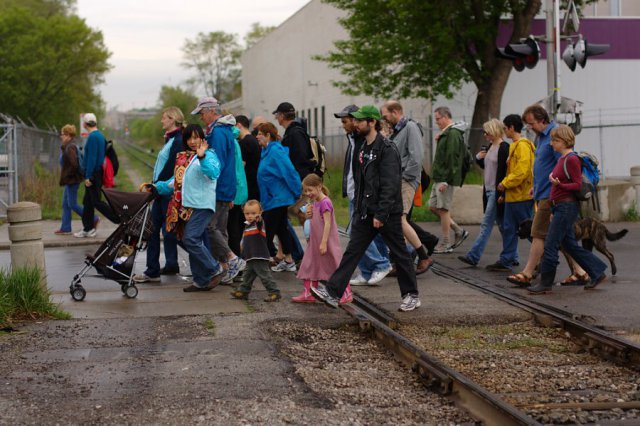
[
  {"x": 460, "y": 239},
  {"x": 272, "y": 297},
  {"x": 236, "y": 265},
  {"x": 240, "y": 295},
  {"x": 409, "y": 303},
  {"x": 498, "y": 267},
  {"x": 322, "y": 294},
  {"x": 61, "y": 232},
  {"x": 378, "y": 276},
  {"x": 467, "y": 260},
  {"x": 85, "y": 234},
  {"x": 284, "y": 266},
  {"x": 144, "y": 278},
  {"x": 358, "y": 280},
  {"x": 442, "y": 249}
]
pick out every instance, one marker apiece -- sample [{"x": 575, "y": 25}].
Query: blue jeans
[
  {"x": 561, "y": 233},
  {"x": 158, "y": 217},
  {"x": 203, "y": 265},
  {"x": 372, "y": 260},
  {"x": 297, "y": 252},
  {"x": 69, "y": 205},
  {"x": 514, "y": 214},
  {"x": 489, "y": 219}
]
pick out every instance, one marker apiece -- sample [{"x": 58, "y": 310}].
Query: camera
[{"x": 485, "y": 148}]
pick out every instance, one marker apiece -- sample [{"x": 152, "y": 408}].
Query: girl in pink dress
[{"x": 324, "y": 252}]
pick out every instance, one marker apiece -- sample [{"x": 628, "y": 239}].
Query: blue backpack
[{"x": 590, "y": 178}]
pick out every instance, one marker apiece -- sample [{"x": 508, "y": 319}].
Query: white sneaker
[
  {"x": 144, "y": 278},
  {"x": 358, "y": 280},
  {"x": 409, "y": 303},
  {"x": 378, "y": 276},
  {"x": 85, "y": 234},
  {"x": 442, "y": 249},
  {"x": 284, "y": 266}
]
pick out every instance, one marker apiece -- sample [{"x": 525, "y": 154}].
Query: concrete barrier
[
  {"x": 467, "y": 205},
  {"x": 25, "y": 234},
  {"x": 616, "y": 198},
  {"x": 635, "y": 181}
]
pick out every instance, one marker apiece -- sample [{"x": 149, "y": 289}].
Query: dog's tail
[{"x": 611, "y": 236}]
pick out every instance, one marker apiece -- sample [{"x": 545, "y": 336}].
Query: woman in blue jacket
[
  {"x": 280, "y": 187},
  {"x": 193, "y": 204}
]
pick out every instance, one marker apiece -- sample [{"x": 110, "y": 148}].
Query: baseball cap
[
  {"x": 346, "y": 112},
  {"x": 89, "y": 118},
  {"x": 284, "y": 107},
  {"x": 206, "y": 102},
  {"x": 367, "y": 111}
]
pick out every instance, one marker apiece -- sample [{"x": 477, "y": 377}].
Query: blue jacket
[
  {"x": 278, "y": 180},
  {"x": 198, "y": 184},
  {"x": 166, "y": 161},
  {"x": 220, "y": 138},
  {"x": 242, "y": 191},
  {"x": 93, "y": 154},
  {"x": 545, "y": 160}
]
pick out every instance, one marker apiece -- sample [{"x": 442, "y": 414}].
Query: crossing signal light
[
  {"x": 523, "y": 55},
  {"x": 578, "y": 53}
]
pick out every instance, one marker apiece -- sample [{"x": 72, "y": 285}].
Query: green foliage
[
  {"x": 632, "y": 215},
  {"x": 22, "y": 296},
  {"x": 215, "y": 58},
  {"x": 43, "y": 188},
  {"x": 256, "y": 33},
  {"x": 51, "y": 62}
]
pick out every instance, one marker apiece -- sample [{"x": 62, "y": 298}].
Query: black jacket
[
  {"x": 358, "y": 140},
  {"x": 501, "y": 172},
  {"x": 379, "y": 181},
  {"x": 297, "y": 140}
]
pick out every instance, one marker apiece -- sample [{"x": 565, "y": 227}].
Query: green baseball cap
[{"x": 367, "y": 111}]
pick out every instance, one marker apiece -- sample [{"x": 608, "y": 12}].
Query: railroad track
[
  {"x": 139, "y": 154},
  {"x": 496, "y": 404}
]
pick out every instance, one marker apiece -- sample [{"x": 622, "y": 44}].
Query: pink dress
[{"x": 315, "y": 266}]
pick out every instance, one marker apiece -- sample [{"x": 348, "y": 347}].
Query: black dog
[{"x": 592, "y": 233}]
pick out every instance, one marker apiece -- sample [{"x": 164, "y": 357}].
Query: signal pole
[{"x": 553, "y": 54}]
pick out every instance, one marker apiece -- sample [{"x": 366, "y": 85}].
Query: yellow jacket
[{"x": 519, "y": 179}]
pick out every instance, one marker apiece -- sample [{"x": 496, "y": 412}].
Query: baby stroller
[{"x": 115, "y": 258}]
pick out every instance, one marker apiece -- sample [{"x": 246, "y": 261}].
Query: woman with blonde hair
[{"x": 493, "y": 159}]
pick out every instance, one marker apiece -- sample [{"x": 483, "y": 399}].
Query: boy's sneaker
[
  {"x": 322, "y": 294},
  {"x": 240, "y": 295},
  {"x": 358, "y": 280},
  {"x": 85, "y": 234},
  {"x": 378, "y": 276},
  {"x": 442, "y": 249},
  {"x": 409, "y": 303},
  {"x": 144, "y": 278},
  {"x": 460, "y": 239},
  {"x": 272, "y": 297},
  {"x": 284, "y": 266}
]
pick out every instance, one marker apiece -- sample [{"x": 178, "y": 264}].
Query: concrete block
[
  {"x": 467, "y": 205},
  {"x": 616, "y": 197}
]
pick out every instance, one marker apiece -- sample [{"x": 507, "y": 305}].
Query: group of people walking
[{"x": 226, "y": 192}]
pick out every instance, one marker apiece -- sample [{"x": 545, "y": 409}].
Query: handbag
[{"x": 177, "y": 214}]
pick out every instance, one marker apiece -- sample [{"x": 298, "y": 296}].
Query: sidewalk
[{"x": 52, "y": 240}]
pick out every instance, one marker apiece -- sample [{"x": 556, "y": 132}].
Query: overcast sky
[{"x": 146, "y": 38}]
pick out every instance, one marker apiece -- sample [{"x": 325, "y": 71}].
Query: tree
[
  {"x": 426, "y": 48},
  {"x": 215, "y": 59},
  {"x": 50, "y": 65},
  {"x": 255, "y": 34}
]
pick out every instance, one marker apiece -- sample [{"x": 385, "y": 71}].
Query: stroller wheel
[
  {"x": 78, "y": 293},
  {"x": 131, "y": 292}
]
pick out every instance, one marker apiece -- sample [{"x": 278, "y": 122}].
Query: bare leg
[
  {"x": 410, "y": 233},
  {"x": 535, "y": 254}
]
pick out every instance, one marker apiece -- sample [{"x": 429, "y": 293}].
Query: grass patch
[
  {"x": 632, "y": 215},
  {"x": 43, "y": 188},
  {"x": 210, "y": 325},
  {"x": 23, "y": 297}
]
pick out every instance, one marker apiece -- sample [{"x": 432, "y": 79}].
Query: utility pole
[{"x": 552, "y": 40}]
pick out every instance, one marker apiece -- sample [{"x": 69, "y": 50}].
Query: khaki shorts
[
  {"x": 542, "y": 219},
  {"x": 441, "y": 200},
  {"x": 408, "y": 192}
]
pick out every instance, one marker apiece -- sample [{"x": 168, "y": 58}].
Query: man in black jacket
[
  {"x": 296, "y": 139},
  {"x": 378, "y": 209}
]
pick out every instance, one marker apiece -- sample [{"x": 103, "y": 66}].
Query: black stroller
[{"x": 115, "y": 258}]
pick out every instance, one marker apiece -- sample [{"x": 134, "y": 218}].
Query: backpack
[
  {"x": 110, "y": 152},
  {"x": 318, "y": 151},
  {"x": 467, "y": 162},
  {"x": 590, "y": 178}
]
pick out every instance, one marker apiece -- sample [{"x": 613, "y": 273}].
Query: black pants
[
  {"x": 275, "y": 221},
  {"x": 235, "y": 228},
  {"x": 428, "y": 240},
  {"x": 93, "y": 201},
  {"x": 362, "y": 233}
]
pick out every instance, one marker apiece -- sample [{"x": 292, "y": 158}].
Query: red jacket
[{"x": 107, "y": 173}]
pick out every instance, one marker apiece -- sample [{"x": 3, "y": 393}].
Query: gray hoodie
[{"x": 409, "y": 143}]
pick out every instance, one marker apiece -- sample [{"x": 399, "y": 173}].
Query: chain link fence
[{"x": 22, "y": 148}]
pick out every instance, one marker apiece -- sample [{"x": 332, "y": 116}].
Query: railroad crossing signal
[
  {"x": 578, "y": 53},
  {"x": 522, "y": 55}
]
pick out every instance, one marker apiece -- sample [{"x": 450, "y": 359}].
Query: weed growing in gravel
[
  {"x": 22, "y": 297},
  {"x": 210, "y": 325}
]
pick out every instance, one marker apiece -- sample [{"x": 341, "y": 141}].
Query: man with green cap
[{"x": 378, "y": 209}]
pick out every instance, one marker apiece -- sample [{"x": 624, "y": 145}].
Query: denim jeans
[
  {"x": 69, "y": 205},
  {"x": 297, "y": 252},
  {"x": 561, "y": 233},
  {"x": 489, "y": 219},
  {"x": 158, "y": 217},
  {"x": 203, "y": 265},
  {"x": 514, "y": 214},
  {"x": 372, "y": 260}
]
